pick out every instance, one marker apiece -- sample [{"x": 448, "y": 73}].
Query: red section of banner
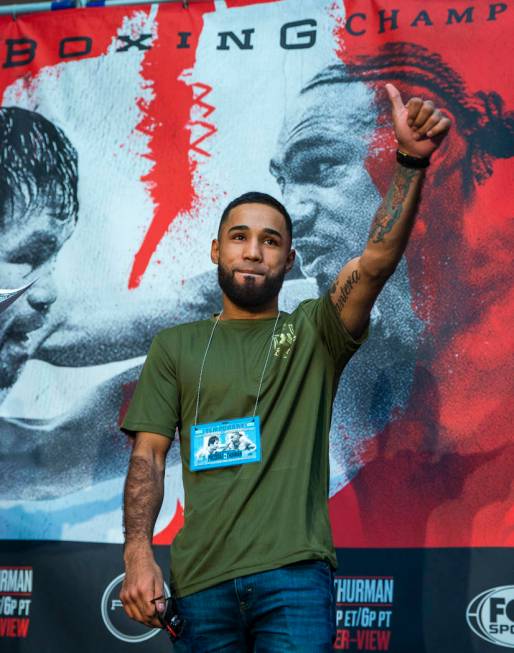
[
  {"x": 441, "y": 475},
  {"x": 471, "y": 41},
  {"x": 170, "y": 182},
  {"x": 167, "y": 535}
]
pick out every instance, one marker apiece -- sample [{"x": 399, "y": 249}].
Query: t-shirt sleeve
[
  {"x": 155, "y": 404},
  {"x": 340, "y": 344}
]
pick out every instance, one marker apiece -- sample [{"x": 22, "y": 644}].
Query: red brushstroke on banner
[
  {"x": 167, "y": 534},
  {"x": 208, "y": 129},
  {"x": 170, "y": 181}
]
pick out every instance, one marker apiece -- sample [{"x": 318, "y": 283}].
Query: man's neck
[{"x": 232, "y": 311}]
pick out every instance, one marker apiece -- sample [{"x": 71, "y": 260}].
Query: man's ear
[
  {"x": 215, "y": 251},
  {"x": 290, "y": 260}
]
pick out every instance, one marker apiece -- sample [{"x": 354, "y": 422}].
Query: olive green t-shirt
[{"x": 257, "y": 516}]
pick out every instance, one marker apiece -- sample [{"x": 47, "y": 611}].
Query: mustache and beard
[{"x": 250, "y": 295}]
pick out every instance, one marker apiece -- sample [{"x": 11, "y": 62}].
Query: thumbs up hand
[{"x": 419, "y": 126}]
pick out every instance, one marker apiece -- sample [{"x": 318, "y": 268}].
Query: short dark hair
[
  {"x": 213, "y": 439},
  {"x": 254, "y": 197},
  {"x": 38, "y": 165}
]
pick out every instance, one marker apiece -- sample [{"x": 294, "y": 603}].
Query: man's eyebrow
[
  {"x": 272, "y": 232},
  {"x": 244, "y": 227},
  {"x": 239, "y": 227}
]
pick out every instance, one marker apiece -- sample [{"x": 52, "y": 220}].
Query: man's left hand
[{"x": 419, "y": 125}]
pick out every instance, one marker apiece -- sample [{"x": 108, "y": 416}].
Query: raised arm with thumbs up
[
  {"x": 418, "y": 125},
  {"x": 419, "y": 129}
]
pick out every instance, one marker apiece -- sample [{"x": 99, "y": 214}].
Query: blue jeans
[{"x": 286, "y": 609}]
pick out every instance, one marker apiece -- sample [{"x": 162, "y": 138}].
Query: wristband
[{"x": 408, "y": 161}]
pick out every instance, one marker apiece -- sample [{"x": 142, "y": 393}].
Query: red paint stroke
[
  {"x": 209, "y": 131},
  {"x": 170, "y": 182},
  {"x": 209, "y": 128},
  {"x": 167, "y": 535},
  {"x": 204, "y": 90}
]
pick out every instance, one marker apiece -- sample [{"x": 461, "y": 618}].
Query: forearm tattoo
[
  {"x": 393, "y": 205},
  {"x": 142, "y": 499},
  {"x": 343, "y": 290}
]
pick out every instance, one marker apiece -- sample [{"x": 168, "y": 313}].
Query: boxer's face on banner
[
  {"x": 29, "y": 243},
  {"x": 319, "y": 165}
]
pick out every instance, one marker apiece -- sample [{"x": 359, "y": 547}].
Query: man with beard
[{"x": 256, "y": 540}]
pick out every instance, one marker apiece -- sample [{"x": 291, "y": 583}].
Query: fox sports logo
[
  {"x": 490, "y": 615},
  {"x": 115, "y": 619}
]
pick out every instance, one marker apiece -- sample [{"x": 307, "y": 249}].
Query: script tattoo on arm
[
  {"x": 144, "y": 489},
  {"x": 394, "y": 203},
  {"x": 361, "y": 279},
  {"x": 344, "y": 290}
]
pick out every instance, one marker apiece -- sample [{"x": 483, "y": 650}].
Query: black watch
[{"x": 408, "y": 161}]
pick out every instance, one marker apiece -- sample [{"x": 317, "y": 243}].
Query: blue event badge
[{"x": 221, "y": 444}]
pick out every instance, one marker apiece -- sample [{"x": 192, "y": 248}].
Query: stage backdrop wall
[{"x": 124, "y": 132}]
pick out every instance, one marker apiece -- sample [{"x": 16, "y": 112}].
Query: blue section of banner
[{"x": 64, "y": 4}]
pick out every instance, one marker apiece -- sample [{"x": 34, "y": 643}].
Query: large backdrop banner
[{"x": 123, "y": 133}]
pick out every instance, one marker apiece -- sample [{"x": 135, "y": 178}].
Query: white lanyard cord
[
  {"x": 205, "y": 357},
  {"x": 265, "y": 365},
  {"x": 203, "y": 363}
]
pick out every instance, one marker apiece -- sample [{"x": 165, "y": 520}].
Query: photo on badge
[{"x": 227, "y": 443}]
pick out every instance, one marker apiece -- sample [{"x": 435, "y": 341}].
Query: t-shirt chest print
[{"x": 283, "y": 342}]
